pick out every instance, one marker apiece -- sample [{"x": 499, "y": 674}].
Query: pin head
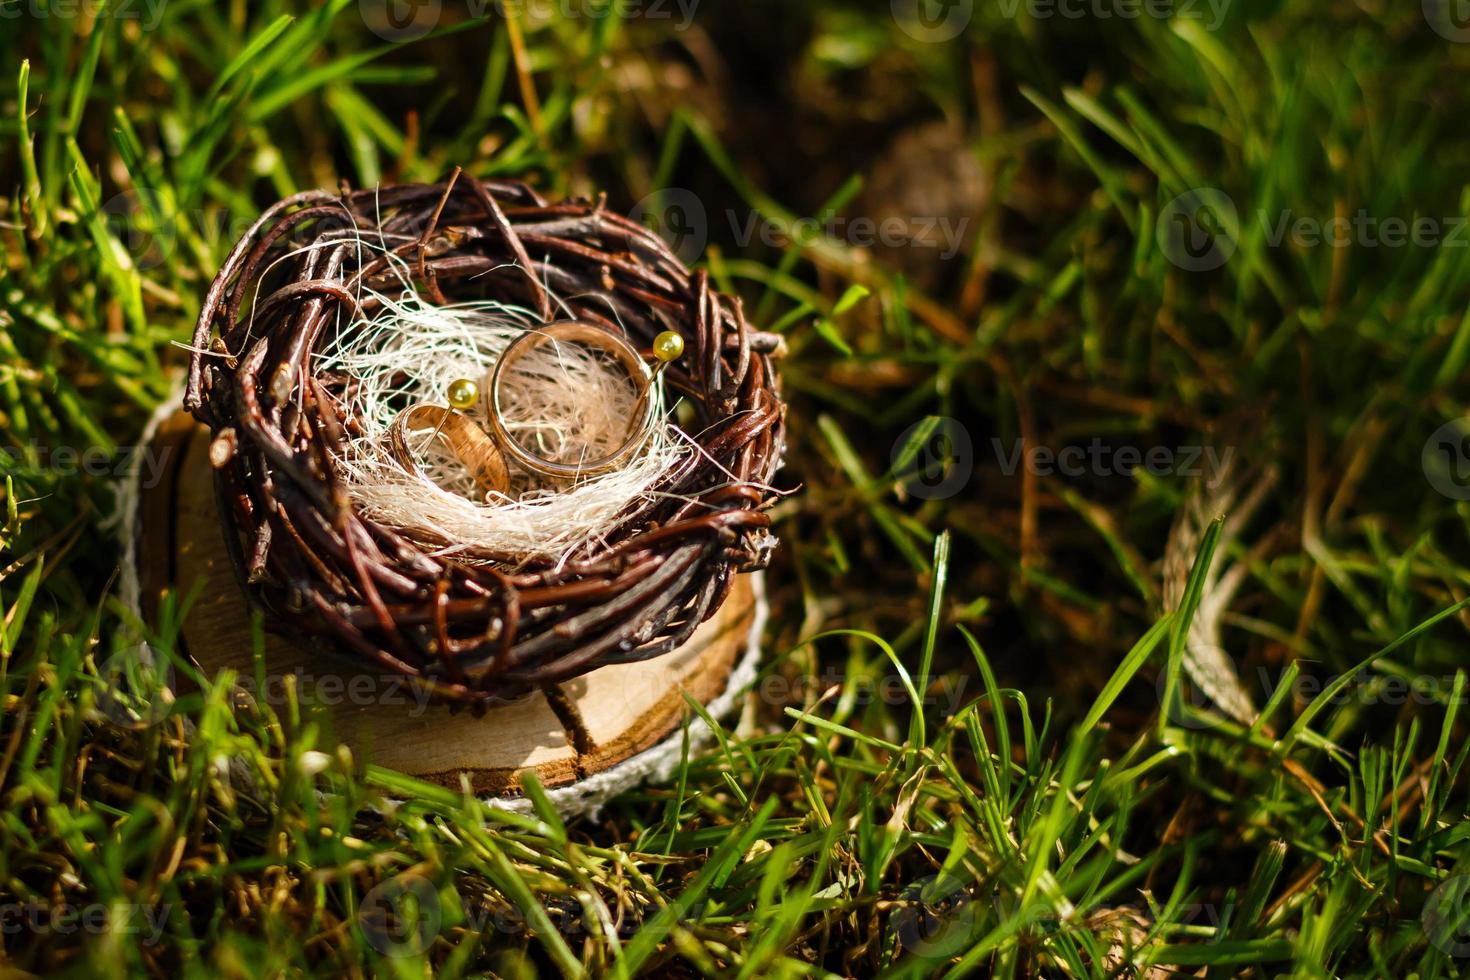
[
  {"x": 463, "y": 394},
  {"x": 668, "y": 346}
]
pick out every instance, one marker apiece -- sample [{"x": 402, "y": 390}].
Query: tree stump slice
[{"x": 565, "y": 733}]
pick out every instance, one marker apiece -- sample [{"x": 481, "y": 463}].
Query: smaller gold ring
[
  {"x": 640, "y": 427},
  {"x": 465, "y": 439}
]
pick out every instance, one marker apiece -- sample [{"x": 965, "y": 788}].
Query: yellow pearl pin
[
  {"x": 668, "y": 346},
  {"x": 463, "y": 394}
]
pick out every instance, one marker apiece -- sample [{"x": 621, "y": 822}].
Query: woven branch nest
[{"x": 475, "y": 632}]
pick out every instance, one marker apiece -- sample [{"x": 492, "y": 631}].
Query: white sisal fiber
[{"x": 561, "y": 401}]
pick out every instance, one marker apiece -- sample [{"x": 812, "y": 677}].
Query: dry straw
[{"x": 336, "y": 310}]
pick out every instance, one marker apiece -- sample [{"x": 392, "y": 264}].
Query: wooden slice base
[{"x": 567, "y": 733}]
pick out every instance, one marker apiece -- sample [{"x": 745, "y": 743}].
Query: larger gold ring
[{"x": 640, "y": 425}]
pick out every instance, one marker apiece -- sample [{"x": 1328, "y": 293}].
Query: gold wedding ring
[
  {"x": 476, "y": 450},
  {"x": 645, "y": 411}
]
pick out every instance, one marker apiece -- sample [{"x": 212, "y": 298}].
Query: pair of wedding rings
[{"x": 485, "y": 455}]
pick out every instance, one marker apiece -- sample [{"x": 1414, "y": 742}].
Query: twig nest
[{"x": 337, "y": 312}]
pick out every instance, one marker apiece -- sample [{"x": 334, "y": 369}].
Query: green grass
[{"x": 1046, "y": 786}]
